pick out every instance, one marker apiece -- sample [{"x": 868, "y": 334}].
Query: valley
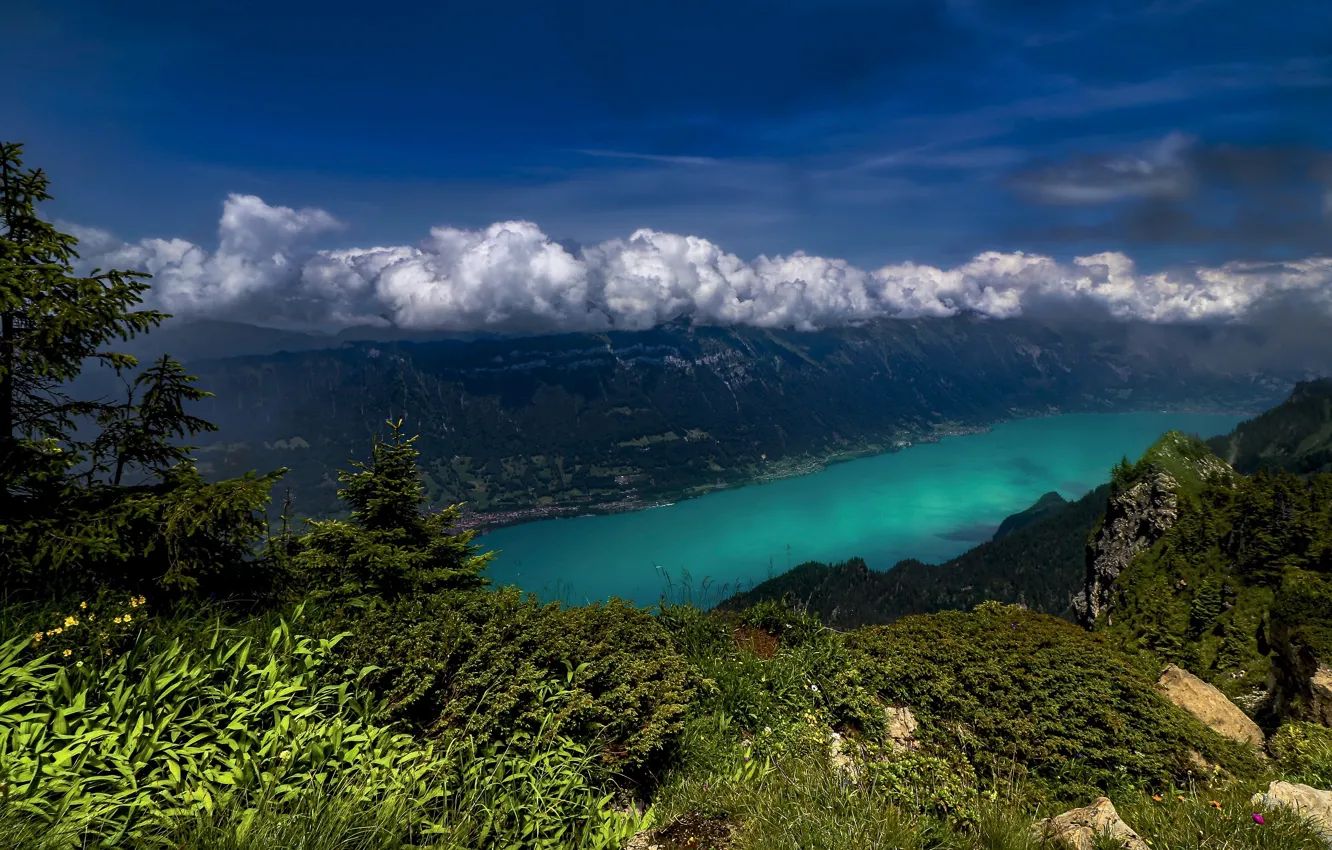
[
  {"x": 921, "y": 503},
  {"x": 569, "y": 424}
]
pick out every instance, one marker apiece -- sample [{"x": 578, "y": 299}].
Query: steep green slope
[
  {"x": 1046, "y": 505},
  {"x": 1039, "y": 565},
  {"x": 1295, "y": 436},
  {"x": 1220, "y": 573}
]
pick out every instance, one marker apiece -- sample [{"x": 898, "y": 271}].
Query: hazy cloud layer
[
  {"x": 1182, "y": 192},
  {"x": 512, "y": 277}
]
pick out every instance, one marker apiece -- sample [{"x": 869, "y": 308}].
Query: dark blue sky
[{"x": 1174, "y": 130}]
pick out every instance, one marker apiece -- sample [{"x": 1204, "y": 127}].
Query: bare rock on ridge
[{"x": 1209, "y": 705}]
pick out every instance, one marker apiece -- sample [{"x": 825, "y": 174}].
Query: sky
[{"x": 528, "y": 166}]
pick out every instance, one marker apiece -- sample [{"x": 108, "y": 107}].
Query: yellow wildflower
[
  {"x": 142, "y": 600},
  {"x": 127, "y": 618},
  {"x": 83, "y": 605},
  {"x": 69, "y": 652},
  {"x": 38, "y": 637},
  {"x": 57, "y": 630},
  {"x": 70, "y": 621},
  {"x": 116, "y": 620}
]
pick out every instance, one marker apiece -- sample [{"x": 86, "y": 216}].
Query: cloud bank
[
  {"x": 513, "y": 278},
  {"x": 1178, "y": 190}
]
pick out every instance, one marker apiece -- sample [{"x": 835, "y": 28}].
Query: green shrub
[
  {"x": 695, "y": 632},
  {"x": 941, "y": 783},
  {"x": 1304, "y": 753},
  {"x": 1026, "y": 694},
  {"x": 479, "y": 661},
  {"x": 1302, "y": 612},
  {"x": 791, "y": 627},
  {"x": 786, "y": 697}
]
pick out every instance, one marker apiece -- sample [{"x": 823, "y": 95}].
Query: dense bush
[
  {"x": 1032, "y": 695},
  {"x": 1304, "y": 752},
  {"x": 479, "y": 661}
]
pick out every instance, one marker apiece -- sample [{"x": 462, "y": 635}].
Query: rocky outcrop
[
  {"x": 1320, "y": 701},
  {"x": 1079, "y": 829},
  {"x": 839, "y": 755},
  {"x": 1311, "y": 803},
  {"x": 900, "y": 728},
  {"x": 1135, "y": 518},
  {"x": 1209, "y": 705},
  {"x": 899, "y": 735}
]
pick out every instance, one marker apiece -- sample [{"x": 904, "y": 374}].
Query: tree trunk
[{"x": 6, "y": 376}]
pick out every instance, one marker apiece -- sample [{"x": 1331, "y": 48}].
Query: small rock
[
  {"x": 1320, "y": 686},
  {"x": 900, "y": 725},
  {"x": 838, "y": 756},
  {"x": 1305, "y": 800},
  {"x": 1079, "y": 828},
  {"x": 1209, "y": 705},
  {"x": 643, "y": 841}
]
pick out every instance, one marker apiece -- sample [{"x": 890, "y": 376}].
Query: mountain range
[{"x": 528, "y": 427}]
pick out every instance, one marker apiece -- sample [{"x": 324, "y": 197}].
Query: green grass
[{"x": 119, "y": 753}]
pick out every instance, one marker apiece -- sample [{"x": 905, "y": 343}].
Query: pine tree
[
  {"x": 69, "y": 518},
  {"x": 391, "y": 546},
  {"x": 51, "y": 320},
  {"x": 1205, "y": 608}
]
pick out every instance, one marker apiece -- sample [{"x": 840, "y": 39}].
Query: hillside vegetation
[
  {"x": 178, "y": 671},
  {"x": 1039, "y": 564},
  {"x": 1295, "y": 437},
  {"x": 1236, "y": 588}
]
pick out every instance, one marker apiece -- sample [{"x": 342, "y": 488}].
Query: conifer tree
[
  {"x": 69, "y": 518},
  {"x": 391, "y": 546},
  {"x": 52, "y": 320}
]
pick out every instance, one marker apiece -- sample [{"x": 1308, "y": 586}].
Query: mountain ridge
[{"x": 578, "y": 421}]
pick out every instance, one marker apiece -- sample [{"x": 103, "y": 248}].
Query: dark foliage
[
  {"x": 98, "y": 494},
  {"x": 506, "y": 668},
  {"x": 1295, "y": 436},
  {"x": 1050, "y": 503},
  {"x": 1035, "y": 696}
]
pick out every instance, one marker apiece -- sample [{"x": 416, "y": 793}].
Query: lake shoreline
[{"x": 484, "y": 523}]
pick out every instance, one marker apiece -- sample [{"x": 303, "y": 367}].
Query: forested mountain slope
[
  {"x": 579, "y": 419},
  {"x": 1038, "y": 565},
  {"x": 1295, "y": 436}
]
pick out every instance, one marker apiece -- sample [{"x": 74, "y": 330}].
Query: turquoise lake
[{"x": 931, "y": 501}]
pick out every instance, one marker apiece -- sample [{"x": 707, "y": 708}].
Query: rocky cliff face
[{"x": 1135, "y": 518}]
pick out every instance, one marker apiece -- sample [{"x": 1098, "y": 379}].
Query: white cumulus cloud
[{"x": 512, "y": 277}]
